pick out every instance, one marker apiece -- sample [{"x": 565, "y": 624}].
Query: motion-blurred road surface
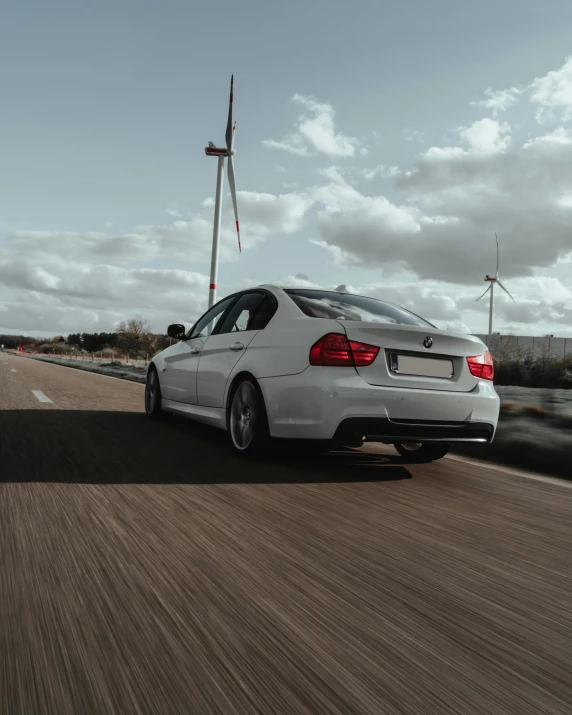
[{"x": 146, "y": 569}]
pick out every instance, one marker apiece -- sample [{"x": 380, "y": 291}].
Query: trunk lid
[{"x": 405, "y": 362}]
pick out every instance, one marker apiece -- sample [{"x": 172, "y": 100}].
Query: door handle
[
  {"x": 195, "y": 351},
  {"x": 237, "y": 346}
]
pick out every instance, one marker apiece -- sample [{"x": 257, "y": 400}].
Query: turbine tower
[
  {"x": 222, "y": 153},
  {"x": 491, "y": 281}
]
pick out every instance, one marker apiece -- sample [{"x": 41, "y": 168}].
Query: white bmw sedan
[{"x": 327, "y": 367}]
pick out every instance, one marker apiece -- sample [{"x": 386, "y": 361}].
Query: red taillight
[
  {"x": 481, "y": 366},
  {"x": 363, "y": 354},
  {"x": 334, "y": 349}
]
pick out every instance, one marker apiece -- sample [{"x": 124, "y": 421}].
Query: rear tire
[
  {"x": 418, "y": 452},
  {"x": 248, "y": 420}
]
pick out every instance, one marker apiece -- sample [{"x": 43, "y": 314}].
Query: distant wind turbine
[
  {"x": 227, "y": 152},
  {"x": 491, "y": 281}
]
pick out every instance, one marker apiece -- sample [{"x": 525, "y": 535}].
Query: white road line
[
  {"x": 513, "y": 472},
  {"x": 12, "y": 370},
  {"x": 40, "y": 395},
  {"x": 482, "y": 464}
]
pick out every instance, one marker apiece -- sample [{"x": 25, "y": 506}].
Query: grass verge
[
  {"x": 132, "y": 373},
  {"x": 528, "y": 437}
]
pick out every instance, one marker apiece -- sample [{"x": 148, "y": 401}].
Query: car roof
[
  {"x": 272, "y": 286},
  {"x": 279, "y": 287}
]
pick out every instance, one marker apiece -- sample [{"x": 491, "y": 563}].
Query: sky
[{"x": 379, "y": 145}]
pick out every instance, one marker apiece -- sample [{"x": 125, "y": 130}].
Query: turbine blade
[
  {"x": 211, "y": 145},
  {"x": 229, "y": 122},
  {"x": 483, "y": 295},
  {"x": 233, "y": 195},
  {"x": 506, "y": 291},
  {"x": 497, "y": 240}
]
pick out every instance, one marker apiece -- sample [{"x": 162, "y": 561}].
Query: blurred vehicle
[{"x": 328, "y": 367}]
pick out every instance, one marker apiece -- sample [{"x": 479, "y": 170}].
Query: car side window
[
  {"x": 242, "y": 315},
  {"x": 263, "y": 315},
  {"x": 209, "y": 321}
]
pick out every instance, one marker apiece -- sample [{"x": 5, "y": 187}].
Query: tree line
[
  {"x": 518, "y": 366},
  {"x": 132, "y": 337}
]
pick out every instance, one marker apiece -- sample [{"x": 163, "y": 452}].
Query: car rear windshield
[{"x": 345, "y": 306}]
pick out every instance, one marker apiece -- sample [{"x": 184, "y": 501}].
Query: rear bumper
[
  {"x": 328, "y": 403},
  {"x": 386, "y": 430}
]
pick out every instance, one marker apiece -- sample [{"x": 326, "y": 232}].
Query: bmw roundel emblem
[{"x": 427, "y": 342}]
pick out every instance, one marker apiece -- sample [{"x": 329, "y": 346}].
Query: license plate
[{"x": 421, "y": 366}]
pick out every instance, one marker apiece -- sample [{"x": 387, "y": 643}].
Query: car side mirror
[{"x": 176, "y": 331}]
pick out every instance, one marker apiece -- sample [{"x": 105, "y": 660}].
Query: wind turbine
[
  {"x": 491, "y": 281},
  {"x": 226, "y": 152}
]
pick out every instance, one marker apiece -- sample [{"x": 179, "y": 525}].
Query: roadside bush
[
  {"x": 49, "y": 348},
  {"x": 565, "y": 380},
  {"x": 535, "y": 412},
  {"x": 509, "y": 408},
  {"x": 518, "y": 366},
  {"x": 553, "y": 373}
]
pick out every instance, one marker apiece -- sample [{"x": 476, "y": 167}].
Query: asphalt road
[{"x": 146, "y": 569}]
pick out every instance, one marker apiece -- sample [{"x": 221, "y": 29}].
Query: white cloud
[
  {"x": 351, "y": 174},
  {"x": 315, "y": 132},
  {"x": 370, "y": 220},
  {"x": 553, "y": 94},
  {"x": 300, "y": 280},
  {"x": 261, "y": 215},
  {"x": 293, "y": 144},
  {"x": 434, "y": 301},
  {"x": 269, "y": 214},
  {"x": 541, "y": 301},
  {"x": 413, "y": 135},
  {"x": 486, "y": 135},
  {"x": 456, "y": 198},
  {"x": 67, "y": 281},
  {"x": 64, "y": 296},
  {"x": 499, "y": 100},
  {"x": 513, "y": 193},
  {"x": 381, "y": 170},
  {"x": 556, "y": 138},
  {"x": 445, "y": 152}
]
